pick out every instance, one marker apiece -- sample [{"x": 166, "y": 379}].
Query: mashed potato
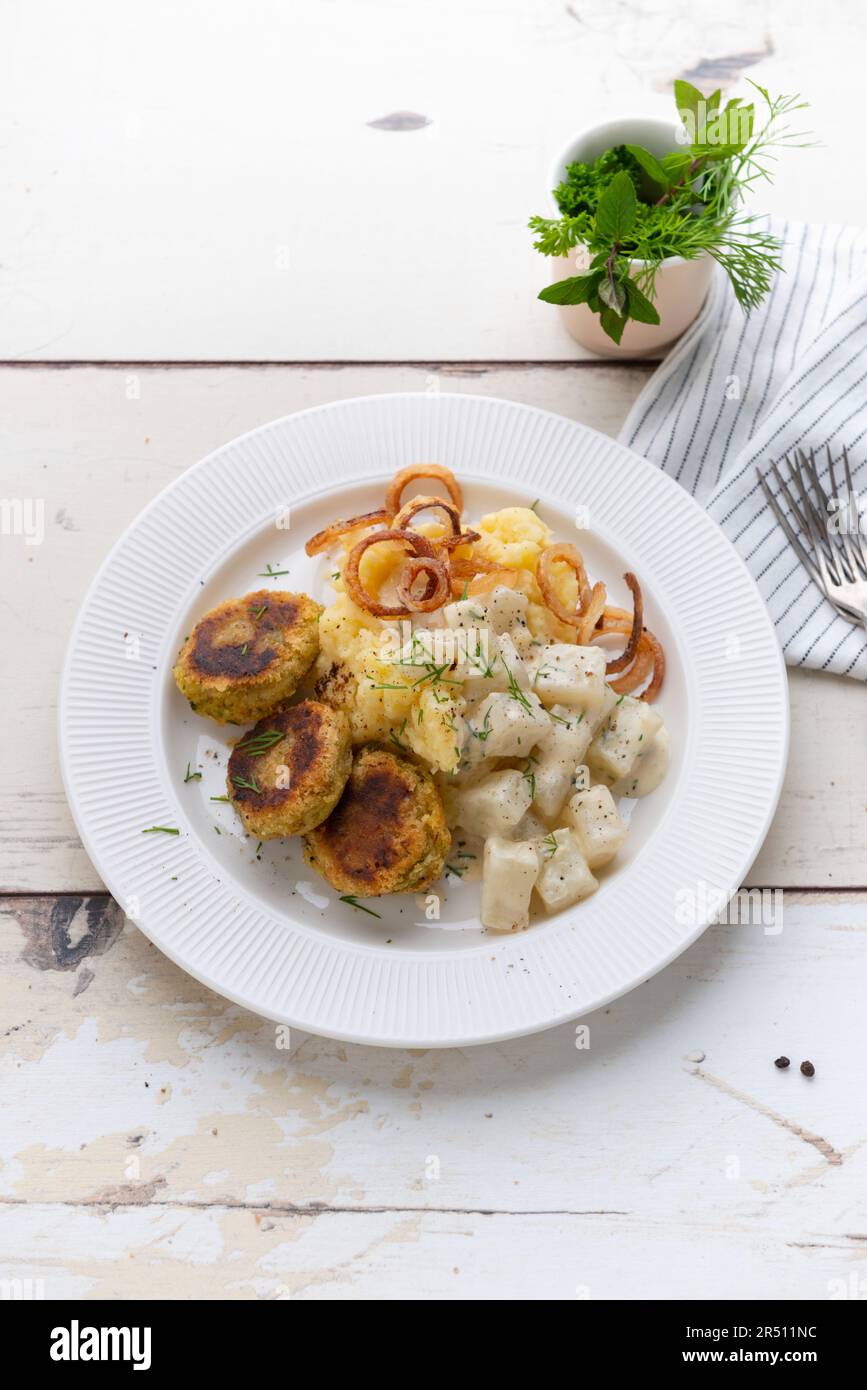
[{"x": 408, "y": 704}]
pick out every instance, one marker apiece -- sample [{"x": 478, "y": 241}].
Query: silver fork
[{"x": 827, "y": 537}]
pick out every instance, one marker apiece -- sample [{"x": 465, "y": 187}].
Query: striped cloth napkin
[{"x": 739, "y": 390}]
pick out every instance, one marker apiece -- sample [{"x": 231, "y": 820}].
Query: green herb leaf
[
  {"x": 688, "y": 100},
  {"x": 651, "y": 165},
  {"x": 676, "y": 166},
  {"x": 574, "y": 290},
  {"x": 640, "y": 307},
  {"x": 618, "y": 208},
  {"x": 612, "y": 293},
  {"x": 612, "y": 323}
]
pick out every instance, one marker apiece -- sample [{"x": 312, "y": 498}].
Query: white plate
[{"x": 271, "y": 935}]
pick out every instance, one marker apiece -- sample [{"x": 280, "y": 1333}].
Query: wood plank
[
  {"x": 96, "y": 445},
  {"x": 157, "y": 1140},
  {"x": 206, "y": 190},
  {"x": 174, "y": 1253}
]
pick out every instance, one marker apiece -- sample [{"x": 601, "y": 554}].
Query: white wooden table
[{"x": 155, "y": 1142}]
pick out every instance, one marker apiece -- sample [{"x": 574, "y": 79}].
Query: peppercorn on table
[{"x": 158, "y": 1140}]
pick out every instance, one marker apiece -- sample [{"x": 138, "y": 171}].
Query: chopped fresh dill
[
  {"x": 515, "y": 690},
  {"x": 257, "y": 744},
  {"x": 251, "y": 786},
  {"x": 351, "y": 901},
  {"x": 482, "y": 733},
  {"x": 530, "y": 777}
]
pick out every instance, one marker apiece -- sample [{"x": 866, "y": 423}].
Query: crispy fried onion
[
  {"x": 627, "y": 656},
  {"x": 590, "y": 614},
  {"x": 323, "y": 540},
  {"x": 591, "y": 601},
  {"x": 423, "y": 504},
  {"x": 474, "y": 576},
  {"x": 649, "y": 655},
  {"x": 436, "y": 590},
  {"x": 405, "y": 476},
  {"x": 421, "y": 549}
]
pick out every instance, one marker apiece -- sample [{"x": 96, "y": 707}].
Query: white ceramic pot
[{"x": 681, "y": 286}]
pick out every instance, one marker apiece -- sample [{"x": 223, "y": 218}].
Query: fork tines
[{"x": 823, "y": 529}]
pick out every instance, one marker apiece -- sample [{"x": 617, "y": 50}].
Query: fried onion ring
[
  {"x": 405, "y": 476},
  {"x": 436, "y": 590},
  {"x": 492, "y": 579},
  {"x": 627, "y": 656},
  {"x": 469, "y": 568},
  {"x": 649, "y": 654},
  {"x": 640, "y": 670},
  {"x": 571, "y": 557},
  {"x": 422, "y": 504},
  {"x": 590, "y": 615},
  {"x": 324, "y": 539},
  {"x": 474, "y": 574},
  {"x": 452, "y": 542},
  {"x": 653, "y": 689},
  {"x": 418, "y": 545}
]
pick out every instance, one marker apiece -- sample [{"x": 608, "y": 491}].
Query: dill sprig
[
  {"x": 257, "y": 744},
  {"x": 515, "y": 690},
  {"x": 351, "y": 901},
  {"x": 244, "y": 785}
]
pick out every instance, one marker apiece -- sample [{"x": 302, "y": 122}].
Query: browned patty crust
[
  {"x": 388, "y": 832},
  {"x": 249, "y": 655},
  {"x": 288, "y": 773}
]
